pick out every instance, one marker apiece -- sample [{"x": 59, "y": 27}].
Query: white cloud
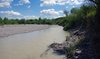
[
  {"x": 59, "y": 2},
  {"x": 77, "y": 2},
  {"x": 5, "y": 3},
  {"x": 47, "y": 2},
  {"x": 24, "y": 1},
  {"x": 52, "y": 17},
  {"x": 10, "y": 13},
  {"x": 51, "y": 12},
  {"x": 52, "y": 2},
  {"x": 18, "y": 4},
  {"x": 30, "y": 17}
]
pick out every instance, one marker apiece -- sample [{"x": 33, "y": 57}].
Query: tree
[
  {"x": 96, "y": 27},
  {"x": 74, "y": 10},
  {"x": 97, "y": 24},
  {"x": 1, "y": 21},
  {"x": 6, "y": 20},
  {"x": 22, "y": 21},
  {"x": 65, "y": 12}
]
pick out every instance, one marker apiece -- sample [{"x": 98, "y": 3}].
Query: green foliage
[
  {"x": 1, "y": 21},
  {"x": 77, "y": 17},
  {"x": 6, "y": 21},
  {"x": 70, "y": 51},
  {"x": 65, "y": 12},
  {"x": 24, "y": 21},
  {"x": 74, "y": 10}
]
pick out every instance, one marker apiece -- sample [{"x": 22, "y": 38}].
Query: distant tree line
[{"x": 24, "y": 21}]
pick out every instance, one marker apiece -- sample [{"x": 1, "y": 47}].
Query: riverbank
[
  {"x": 78, "y": 45},
  {"x": 7, "y": 30}
]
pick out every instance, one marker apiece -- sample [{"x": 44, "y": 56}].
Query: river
[{"x": 32, "y": 45}]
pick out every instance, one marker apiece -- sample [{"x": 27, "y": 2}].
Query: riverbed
[{"x": 32, "y": 45}]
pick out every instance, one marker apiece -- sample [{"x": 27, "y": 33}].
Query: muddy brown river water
[{"x": 32, "y": 45}]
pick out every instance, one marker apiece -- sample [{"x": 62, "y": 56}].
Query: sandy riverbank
[{"x": 8, "y": 30}]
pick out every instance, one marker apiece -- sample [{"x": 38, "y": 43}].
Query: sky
[{"x": 36, "y": 8}]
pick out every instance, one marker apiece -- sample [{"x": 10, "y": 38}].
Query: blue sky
[{"x": 36, "y": 8}]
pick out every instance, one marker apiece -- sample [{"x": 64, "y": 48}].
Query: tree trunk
[{"x": 96, "y": 39}]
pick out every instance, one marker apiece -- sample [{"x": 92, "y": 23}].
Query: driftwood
[{"x": 59, "y": 48}]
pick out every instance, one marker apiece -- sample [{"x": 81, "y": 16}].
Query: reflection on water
[{"x": 32, "y": 45}]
